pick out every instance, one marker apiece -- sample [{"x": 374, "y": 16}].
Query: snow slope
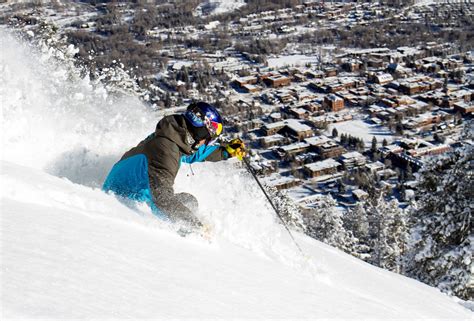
[
  {"x": 213, "y": 7},
  {"x": 70, "y": 251}
]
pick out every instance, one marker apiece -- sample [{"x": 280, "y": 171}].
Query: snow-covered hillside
[
  {"x": 213, "y": 7},
  {"x": 71, "y": 251}
]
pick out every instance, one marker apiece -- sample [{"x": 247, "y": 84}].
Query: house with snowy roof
[
  {"x": 333, "y": 103},
  {"x": 429, "y": 150},
  {"x": 316, "y": 141},
  {"x": 291, "y": 127},
  {"x": 353, "y": 159},
  {"x": 390, "y": 149},
  {"x": 374, "y": 167},
  {"x": 383, "y": 78},
  {"x": 281, "y": 182},
  {"x": 299, "y": 113},
  {"x": 272, "y": 140},
  {"x": 330, "y": 149},
  {"x": 423, "y": 120},
  {"x": 248, "y": 80},
  {"x": 292, "y": 149},
  {"x": 464, "y": 107},
  {"x": 325, "y": 167},
  {"x": 277, "y": 80},
  {"x": 360, "y": 195}
]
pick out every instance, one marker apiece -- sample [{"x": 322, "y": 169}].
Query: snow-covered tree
[
  {"x": 357, "y": 222},
  {"x": 381, "y": 230},
  {"x": 287, "y": 208},
  {"x": 392, "y": 235},
  {"x": 325, "y": 223},
  {"x": 442, "y": 231}
]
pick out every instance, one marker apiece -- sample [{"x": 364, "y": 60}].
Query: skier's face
[{"x": 201, "y": 142}]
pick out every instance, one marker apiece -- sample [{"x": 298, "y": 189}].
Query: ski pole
[{"x": 246, "y": 162}]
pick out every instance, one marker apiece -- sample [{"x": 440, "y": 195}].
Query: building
[
  {"x": 334, "y": 87},
  {"x": 297, "y": 129},
  {"x": 250, "y": 88},
  {"x": 314, "y": 74},
  {"x": 374, "y": 167},
  {"x": 317, "y": 141},
  {"x": 463, "y": 107},
  {"x": 360, "y": 195},
  {"x": 330, "y": 149},
  {"x": 409, "y": 88},
  {"x": 352, "y": 160},
  {"x": 330, "y": 71},
  {"x": 317, "y": 86},
  {"x": 325, "y": 167},
  {"x": 311, "y": 107},
  {"x": 299, "y": 113},
  {"x": 249, "y": 80},
  {"x": 351, "y": 65},
  {"x": 281, "y": 182},
  {"x": 390, "y": 149},
  {"x": 299, "y": 77},
  {"x": 383, "y": 79},
  {"x": 389, "y": 102},
  {"x": 375, "y": 63},
  {"x": 333, "y": 103},
  {"x": 285, "y": 96},
  {"x": 277, "y": 81},
  {"x": 308, "y": 203},
  {"x": 273, "y": 140},
  {"x": 273, "y": 128},
  {"x": 423, "y": 120},
  {"x": 303, "y": 94},
  {"x": 429, "y": 150},
  {"x": 292, "y": 149},
  {"x": 291, "y": 127}
]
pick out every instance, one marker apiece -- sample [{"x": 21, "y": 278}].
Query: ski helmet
[{"x": 201, "y": 115}]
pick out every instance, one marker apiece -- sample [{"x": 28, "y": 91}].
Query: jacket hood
[{"x": 174, "y": 128}]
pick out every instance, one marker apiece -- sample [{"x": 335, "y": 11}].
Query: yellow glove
[{"x": 236, "y": 148}]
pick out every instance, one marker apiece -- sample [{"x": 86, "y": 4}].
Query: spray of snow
[{"x": 56, "y": 121}]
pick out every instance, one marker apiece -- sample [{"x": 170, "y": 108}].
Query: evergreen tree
[
  {"x": 442, "y": 231},
  {"x": 409, "y": 172},
  {"x": 399, "y": 129},
  {"x": 167, "y": 100},
  {"x": 393, "y": 237},
  {"x": 360, "y": 145},
  {"x": 343, "y": 139},
  {"x": 373, "y": 148},
  {"x": 287, "y": 208},
  {"x": 325, "y": 223},
  {"x": 383, "y": 228},
  {"x": 357, "y": 222},
  {"x": 335, "y": 133},
  {"x": 351, "y": 140}
]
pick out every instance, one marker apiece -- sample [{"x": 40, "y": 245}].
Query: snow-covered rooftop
[
  {"x": 294, "y": 124},
  {"x": 321, "y": 165}
]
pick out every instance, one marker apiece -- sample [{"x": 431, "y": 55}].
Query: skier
[{"x": 146, "y": 173}]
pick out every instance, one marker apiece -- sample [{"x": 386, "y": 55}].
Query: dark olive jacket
[{"x": 165, "y": 149}]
